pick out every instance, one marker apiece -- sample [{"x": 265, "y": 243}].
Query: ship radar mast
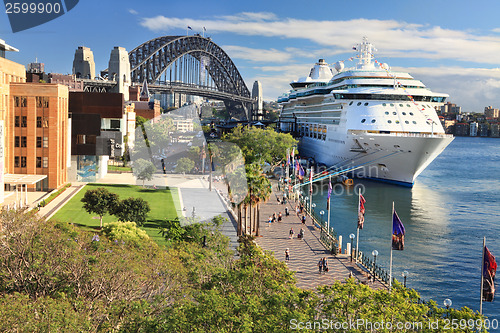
[{"x": 365, "y": 54}]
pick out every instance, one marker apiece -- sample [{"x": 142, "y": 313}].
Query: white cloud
[
  {"x": 133, "y": 12},
  {"x": 256, "y": 55},
  {"x": 394, "y": 38}
]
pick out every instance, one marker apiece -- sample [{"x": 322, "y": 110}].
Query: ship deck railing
[{"x": 403, "y": 134}]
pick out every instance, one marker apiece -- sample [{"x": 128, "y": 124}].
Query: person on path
[
  {"x": 287, "y": 254},
  {"x": 325, "y": 264},
  {"x": 291, "y": 233},
  {"x": 270, "y": 220},
  {"x": 274, "y": 217},
  {"x": 303, "y": 219},
  {"x": 286, "y": 211},
  {"x": 280, "y": 217},
  {"x": 301, "y": 233},
  {"x": 320, "y": 265},
  {"x": 297, "y": 209},
  {"x": 301, "y": 207}
]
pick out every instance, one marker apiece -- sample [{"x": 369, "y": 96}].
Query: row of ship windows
[
  {"x": 391, "y": 104},
  {"x": 388, "y": 121}
]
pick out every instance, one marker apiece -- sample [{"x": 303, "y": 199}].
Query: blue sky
[{"x": 452, "y": 46}]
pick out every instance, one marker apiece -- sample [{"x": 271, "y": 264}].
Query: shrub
[{"x": 126, "y": 232}]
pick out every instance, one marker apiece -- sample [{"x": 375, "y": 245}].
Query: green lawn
[
  {"x": 119, "y": 168},
  {"x": 160, "y": 201}
]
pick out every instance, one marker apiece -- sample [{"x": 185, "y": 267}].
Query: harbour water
[{"x": 453, "y": 204}]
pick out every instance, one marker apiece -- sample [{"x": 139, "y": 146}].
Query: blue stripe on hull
[{"x": 390, "y": 181}]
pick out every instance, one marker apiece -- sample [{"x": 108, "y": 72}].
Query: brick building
[{"x": 38, "y": 123}]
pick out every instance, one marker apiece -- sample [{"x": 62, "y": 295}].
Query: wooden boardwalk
[{"x": 305, "y": 253}]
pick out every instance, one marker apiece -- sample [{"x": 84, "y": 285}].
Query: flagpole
[
  {"x": 328, "y": 224},
  {"x": 287, "y": 165},
  {"x": 390, "y": 264},
  {"x": 357, "y": 231},
  {"x": 482, "y": 279},
  {"x": 310, "y": 192}
]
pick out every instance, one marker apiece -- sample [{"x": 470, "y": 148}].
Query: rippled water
[{"x": 453, "y": 204}]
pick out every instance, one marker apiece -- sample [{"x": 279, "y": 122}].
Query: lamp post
[
  {"x": 404, "y": 274},
  {"x": 352, "y": 236},
  {"x": 447, "y": 302},
  {"x": 322, "y": 212},
  {"x": 375, "y": 254}
]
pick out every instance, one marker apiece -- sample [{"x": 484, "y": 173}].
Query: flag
[
  {"x": 310, "y": 181},
  {"x": 489, "y": 271},
  {"x": 361, "y": 211},
  {"x": 398, "y": 233},
  {"x": 297, "y": 167},
  {"x": 301, "y": 172},
  {"x": 190, "y": 28},
  {"x": 287, "y": 159},
  {"x": 204, "y": 29},
  {"x": 329, "y": 195}
]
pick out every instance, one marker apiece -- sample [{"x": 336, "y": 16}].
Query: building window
[
  {"x": 115, "y": 124},
  {"x": 39, "y": 142},
  {"x": 17, "y": 121},
  {"x": 16, "y": 161},
  {"x": 45, "y": 142},
  {"x": 17, "y": 141},
  {"x": 80, "y": 139},
  {"x": 39, "y": 122},
  {"x": 23, "y": 141},
  {"x": 38, "y": 162},
  {"x": 24, "y": 121},
  {"x": 45, "y": 122},
  {"x": 17, "y": 101},
  {"x": 42, "y": 102},
  {"x": 45, "y": 162},
  {"x": 23, "y": 161},
  {"x": 24, "y": 102}
]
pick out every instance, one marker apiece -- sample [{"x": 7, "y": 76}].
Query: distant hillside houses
[{"x": 470, "y": 124}]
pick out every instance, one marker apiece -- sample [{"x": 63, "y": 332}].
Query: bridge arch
[{"x": 150, "y": 60}]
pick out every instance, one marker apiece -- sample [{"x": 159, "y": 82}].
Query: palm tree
[{"x": 259, "y": 190}]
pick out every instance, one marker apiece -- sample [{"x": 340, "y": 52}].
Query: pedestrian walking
[
  {"x": 325, "y": 264},
  {"x": 301, "y": 233},
  {"x": 291, "y": 233},
  {"x": 303, "y": 219},
  {"x": 270, "y": 220},
  {"x": 287, "y": 213},
  {"x": 297, "y": 209},
  {"x": 280, "y": 217},
  {"x": 320, "y": 265},
  {"x": 301, "y": 207},
  {"x": 287, "y": 254},
  {"x": 274, "y": 217}
]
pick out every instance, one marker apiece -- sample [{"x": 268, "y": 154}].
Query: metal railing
[{"x": 376, "y": 270}]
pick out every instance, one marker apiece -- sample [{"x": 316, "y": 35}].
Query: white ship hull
[
  {"x": 376, "y": 157},
  {"x": 368, "y": 120}
]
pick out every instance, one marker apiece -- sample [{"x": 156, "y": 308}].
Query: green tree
[
  {"x": 143, "y": 170},
  {"x": 184, "y": 164},
  {"x": 259, "y": 190},
  {"x": 127, "y": 232},
  {"x": 132, "y": 209},
  {"x": 99, "y": 201},
  {"x": 262, "y": 145}
]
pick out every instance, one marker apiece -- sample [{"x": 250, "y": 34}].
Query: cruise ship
[{"x": 370, "y": 120}]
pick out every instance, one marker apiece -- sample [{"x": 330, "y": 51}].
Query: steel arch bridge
[{"x": 192, "y": 65}]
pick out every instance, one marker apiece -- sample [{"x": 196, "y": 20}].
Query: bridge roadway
[
  {"x": 196, "y": 90},
  {"x": 305, "y": 254}
]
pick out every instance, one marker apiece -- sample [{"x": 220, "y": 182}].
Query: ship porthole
[
  {"x": 373, "y": 120},
  {"x": 389, "y": 121},
  {"x": 394, "y": 113},
  {"x": 359, "y": 103},
  {"x": 351, "y": 102},
  {"x": 404, "y": 113},
  {"x": 386, "y": 112},
  {"x": 366, "y": 104},
  {"x": 363, "y": 120}
]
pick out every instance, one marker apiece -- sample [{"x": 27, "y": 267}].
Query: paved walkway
[{"x": 305, "y": 253}]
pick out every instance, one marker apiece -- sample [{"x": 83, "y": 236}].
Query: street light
[
  {"x": 404, "y": 274},
  {"x": 375, "y": 254},
  {"x": 447, "y": 302},
  {"x": 351, "y": 236},
  {"x": 322, "y": 212}
]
